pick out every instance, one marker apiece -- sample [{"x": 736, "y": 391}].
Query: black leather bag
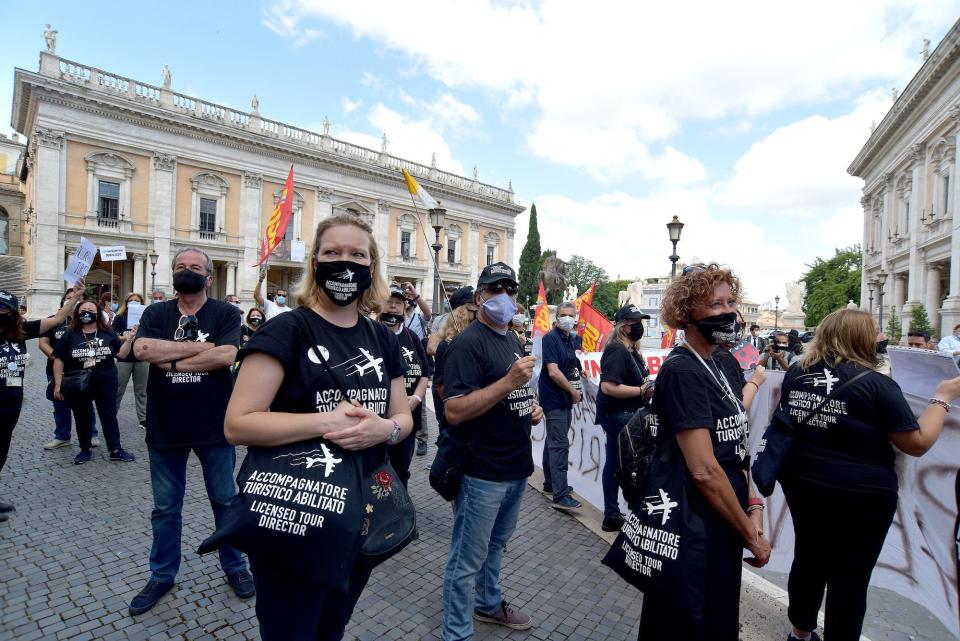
[
  {"x": 635, "y": 446},
  {"x": 446, "y": 471},
  {"x": 75, "y": 382},
  {"x": 389, "y": 518},
  {"x": 774, "y": 448}
]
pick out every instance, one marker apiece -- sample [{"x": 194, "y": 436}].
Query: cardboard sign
[
  {"x": 115, "y": 252},
  {"x": 80, "y": 262},
  {"x": 298, "y": 250}
]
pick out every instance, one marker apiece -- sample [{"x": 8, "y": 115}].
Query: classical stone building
[
  {"x": 12, "y": 272},
  {"x": 911, "y": 237},
  {"x": 123, "y": 162}
]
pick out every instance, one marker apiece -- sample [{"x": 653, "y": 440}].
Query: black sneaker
[
  {"x": 83, "y": 457},
  {"x": 122, "y": 455},
  {"x": 242, "y": 584},
  {"x": 612, "y": 525},
  {"x": 152, "y": 592},
  {"x": 421, "y": 448},
  {"x": 6, "y": 507}
]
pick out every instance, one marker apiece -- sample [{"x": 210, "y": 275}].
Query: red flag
[
  {"x": 666, "y": 341},
  {"x": 746, "y": 354},
  {"x": 586, "y": 297},
  {"x": 541, "y": 319},
  {"x": 279, "y": 219},
  {"x": 593, "y": 328}
]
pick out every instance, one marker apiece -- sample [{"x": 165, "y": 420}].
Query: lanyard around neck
[{"x": 721, "y": 381}]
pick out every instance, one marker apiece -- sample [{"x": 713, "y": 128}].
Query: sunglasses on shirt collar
[{"x": 185, "y": 324}]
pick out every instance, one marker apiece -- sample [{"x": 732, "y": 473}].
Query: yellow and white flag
[{"x": 419, "y": 192}]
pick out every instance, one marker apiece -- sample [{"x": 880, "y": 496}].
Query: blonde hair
[
  {"x": 455, "y": 322},
  {"x": 620, "y": 336},
  {"x": 692, "y": 290},
  {"x": 307, "y": 290},
  {"x": 846, "y": 335}
]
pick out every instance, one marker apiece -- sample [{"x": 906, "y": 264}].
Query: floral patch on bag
[{"x": 383, "y": 486}]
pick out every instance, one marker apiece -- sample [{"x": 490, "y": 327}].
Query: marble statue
[
  {"x": 795, "y": 294},
  {"x": 50, "y": 35},
  {"x": 326, "y": 126},
  {"x": 476, "y": 173},
  {"x": 433, "y": 160},
  {"x": 255, "y": 104},
  {"x": 383, "y": 143},
  {"x": 571, "y": 293},
  {"x": 166, "y": 77},
  {"x": 926, "y": 49}
]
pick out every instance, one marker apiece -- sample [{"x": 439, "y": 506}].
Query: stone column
[
  {"x": 139, "y": 284},
  {"x": 231, "y": 278},
  {"x": 250, "y": 197},
  {"x": 508, "y": 255},
  {"x": 475, "y": 251},
  {"x": 915, "y": 269},
  {"x": 867, "y": 230},
  {"x": 47, "y": 285},
  {"x": 324, "y": 209},
  {"x": 162, "y": 214},
  {"x": 950, "y": 313},
  {"x": 933, "y": 295}
]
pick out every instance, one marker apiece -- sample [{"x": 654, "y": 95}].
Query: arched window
[{"x": 4, "y": 232}]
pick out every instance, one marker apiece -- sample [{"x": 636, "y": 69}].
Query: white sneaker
[
  {"x": 56, "y": 444},
  {"x": 94, "y": 442}
]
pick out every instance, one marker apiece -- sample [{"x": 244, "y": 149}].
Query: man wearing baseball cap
[{"x": 488, "y": 403}]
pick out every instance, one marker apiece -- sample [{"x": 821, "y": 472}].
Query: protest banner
[
  {"x": 112, "y": 253},
  {"x": 80, "y": 262},
  {"x": 921, "y": 555}
]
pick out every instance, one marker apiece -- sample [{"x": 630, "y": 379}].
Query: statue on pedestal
[
  {"x": 383, "y": 143},
  {"x": 255, "y": 104},
  {"x": 326, "y": 126},
  {"x": 50, "y": 35},
  {"x": 166, "y": 77}
]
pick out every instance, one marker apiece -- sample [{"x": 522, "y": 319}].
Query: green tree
[
  {"x": 919, "y": 321},
  {"x": 530, "y": 261},
  {"x": 605, "y": 298},
  {"x": 894, "y": 328},
  {"x": 583, "y": 271},
  {"x": 831, "y": 284}
]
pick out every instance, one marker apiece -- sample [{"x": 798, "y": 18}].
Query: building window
[
  {"x": 653, "y": 301},
  {"x": 4, "y": 232},
  {"x": 108, "y": 199},
  {"x": 405, "y": 240},
  {"x": 490, "y": 250},
  {"x": 451, "y": 250},
  {"x": 208, "y": 218}
]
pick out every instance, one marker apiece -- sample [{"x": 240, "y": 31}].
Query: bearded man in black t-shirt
[
  {"x": 191, "y": 343},
  {"x": 489, "y": 405}
]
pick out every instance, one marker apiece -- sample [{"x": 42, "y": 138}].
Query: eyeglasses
[
  {"x": 693, "y": 269},
  {"x": 499, "y": 288},
  {"x": 184, "y": 325}
]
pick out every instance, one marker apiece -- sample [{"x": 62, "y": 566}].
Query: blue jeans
[
  {"x": 612, "y": 424},
  {"x": 168, "y": 477},
  {"x": 62, "y": 421},
  {"x": 484, "y": 519}
]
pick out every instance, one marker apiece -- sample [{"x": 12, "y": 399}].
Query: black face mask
[
  {"x": 7, "y": 320},
  {"x": 720, "y": 329},
  {"x": 87, "y": 317},
  {"x": 343, "y": 281},
  {"x": 391, "y": 320},
  {"x": 882, "y": 347},
  {"x": 187, "y": 281},
  {"x": 255, "y": 320},
  {"x": 635, "y": 332}
]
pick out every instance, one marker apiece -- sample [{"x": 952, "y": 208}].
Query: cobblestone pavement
[{"x": 76, "y": 551}]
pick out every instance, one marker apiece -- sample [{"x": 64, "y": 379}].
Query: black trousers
[
  {"x": 102, "y": 392},
  {"x": 839, "y": 535},
  {"x": 289, "y": 609},
  {"x": 8, "y": 421}
]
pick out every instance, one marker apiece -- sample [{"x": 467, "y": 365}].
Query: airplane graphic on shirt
[
  {"x": 664, "y": 507},
  {"x": 359, "y": 366},
  {"x": 826, "y": 381},
  {"x": 407, "y": 354},
  {"x": 328, "y": 460}
]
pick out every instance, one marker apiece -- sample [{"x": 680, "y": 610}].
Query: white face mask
[
  {"x": 567, "y": 323},
  {"x": 519, "y": 320}
]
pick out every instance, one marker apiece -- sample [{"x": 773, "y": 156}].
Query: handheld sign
[
  {"x": 297, "y": 251},
  {"x": 80, "y": 262},
  {"x": 115, "y": 252},
  {"x": 134, "y": 312}
]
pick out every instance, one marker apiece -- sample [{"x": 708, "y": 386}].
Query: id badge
[
  {"x": 14, "y": 381},
  {"x": 88, "y": 363}
]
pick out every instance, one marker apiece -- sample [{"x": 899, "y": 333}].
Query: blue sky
[{"x": 611, "y": 118}]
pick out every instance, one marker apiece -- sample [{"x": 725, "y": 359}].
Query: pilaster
[
  {"x": 250, "y": 198},
  {"x": 162, "y": 214},
  {"x": 48, "y": 277}
]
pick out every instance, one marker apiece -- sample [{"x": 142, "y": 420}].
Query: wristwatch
[{"x": 395, "y": 436}]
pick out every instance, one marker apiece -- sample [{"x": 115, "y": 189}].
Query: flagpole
[{"x": 436, "y": 265}]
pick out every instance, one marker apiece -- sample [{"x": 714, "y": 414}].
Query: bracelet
[
  {"x": 754, "y": 508},
  {"x": 754, "y": 384},
  {"x": 419, "y": 399},
  {"x": 936, "y": 401}
]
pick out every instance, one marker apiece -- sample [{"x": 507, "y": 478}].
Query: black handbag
[
  {"x": 389, "y": 518},
  {"x": 635, "y": 446},
  {"x": 75, "y": 382},
  {"x": 446, "y": 471},
  {"x": 662, "y": 546},
  {"x": 774, "y": 448}
]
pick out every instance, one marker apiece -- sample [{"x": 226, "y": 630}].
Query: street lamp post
[
  {"x": 776, "y": 312},
  {"x": 154, "y": 256},
  {"x": 674, "y": 227},
  {"x": 870, "y": 298},
  {"x": 437, "y": 215},
  {"x": 881, "y": 281}
]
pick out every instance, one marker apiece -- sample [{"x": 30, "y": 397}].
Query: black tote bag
[{"x": 661, "y": 547}]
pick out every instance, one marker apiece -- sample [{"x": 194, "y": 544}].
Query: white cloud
[
  {"x": 842, "y": 229},
  {"x": 800, "y": 169},
  {"x": 284, "y": 19},
  {"x": 627, "y": 236},
  {"x": 349, "y": 106},
  {"x": 635, "y": 72}
]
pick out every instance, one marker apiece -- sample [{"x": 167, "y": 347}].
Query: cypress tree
[{"x": 530, "y": 262}]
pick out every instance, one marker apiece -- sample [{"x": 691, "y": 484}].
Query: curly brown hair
[{"x": 695, "y": 289}]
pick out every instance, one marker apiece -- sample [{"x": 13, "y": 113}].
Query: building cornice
[
  {"x": 31, "y": 88},
  {"x": 910, "y": 100}
]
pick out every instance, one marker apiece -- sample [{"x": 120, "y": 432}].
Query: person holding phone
[{"x": 776, "y": 356}]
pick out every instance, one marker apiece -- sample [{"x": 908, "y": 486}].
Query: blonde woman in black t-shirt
[
  {"x": 283, "y": 395},
  {"x": 839, "y": 476}
]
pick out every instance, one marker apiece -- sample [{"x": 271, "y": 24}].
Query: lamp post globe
[
  {"x": 674, "y": 227},
  {"x": 437, "y": 219}
]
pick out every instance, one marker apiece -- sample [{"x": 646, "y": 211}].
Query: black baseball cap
[
  {"x": 10, "y": 301},
  {"x": 496, "y": 273},
  {"x": 461, "y": 297},
  {"x": 630, "y": 312},
  {"x": 396, "y": 292}
]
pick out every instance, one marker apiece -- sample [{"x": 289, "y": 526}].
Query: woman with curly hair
[{"x": 699, "y": 414}]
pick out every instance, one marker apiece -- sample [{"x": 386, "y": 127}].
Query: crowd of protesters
[{"x": 208, "y": 377}]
